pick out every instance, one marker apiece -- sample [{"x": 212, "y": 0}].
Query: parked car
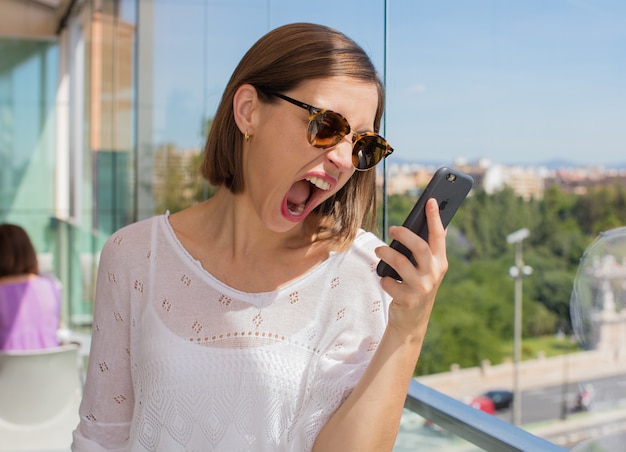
[
  {"x": 483, "y": 404},
  {"x": 501, "y": 398}
]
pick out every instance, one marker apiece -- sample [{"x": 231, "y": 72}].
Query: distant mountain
[
  {"x": 550, "y": 164},
  {"x": 561, "y": 163}
]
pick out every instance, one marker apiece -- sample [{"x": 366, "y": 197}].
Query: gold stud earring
[{"x": 246, "y": 136}]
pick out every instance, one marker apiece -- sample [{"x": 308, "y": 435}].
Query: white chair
[{"x": 40, "y": 392}]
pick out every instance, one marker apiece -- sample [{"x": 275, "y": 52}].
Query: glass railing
[{"x": 435, "y": 421}]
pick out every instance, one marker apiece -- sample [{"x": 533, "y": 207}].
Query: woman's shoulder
[
  {"x": 361, "y": 253},
  {"x": 23, "y": 283},
  {"x": 367, "y": 240},
  {"x": 132, "y": 239},
  {"x": 138, "y": 230}
]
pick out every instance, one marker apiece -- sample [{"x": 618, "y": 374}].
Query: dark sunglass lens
[
  {"x": 368, "y": 151},
  {"x": 326, "y": 129}
]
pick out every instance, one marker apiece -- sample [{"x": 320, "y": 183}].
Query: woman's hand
[{"x": 414, "y": 296}]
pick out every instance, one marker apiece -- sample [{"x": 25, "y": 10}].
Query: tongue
[{"x": 298, "y": 194}]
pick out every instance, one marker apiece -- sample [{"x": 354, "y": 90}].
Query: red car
[{"x": 483, "y": 403}]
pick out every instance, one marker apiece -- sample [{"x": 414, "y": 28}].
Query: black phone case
[{"x": 450, "y": 187}]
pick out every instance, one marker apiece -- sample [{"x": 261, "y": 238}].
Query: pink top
[{"x": 29, "y": 314}]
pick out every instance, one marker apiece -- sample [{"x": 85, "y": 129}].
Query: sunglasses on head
[{"x": 327, "y": 128}]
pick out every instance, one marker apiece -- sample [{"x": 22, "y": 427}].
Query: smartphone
[{"x": 450, "y": 188}]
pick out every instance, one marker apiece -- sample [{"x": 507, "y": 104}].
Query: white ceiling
[{"x": 34, "y": 19}]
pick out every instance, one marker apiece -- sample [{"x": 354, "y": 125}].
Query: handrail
[{"x": 480, "y": 428}]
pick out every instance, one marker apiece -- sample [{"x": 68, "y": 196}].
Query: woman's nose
[{"x": 341, "y": 154}]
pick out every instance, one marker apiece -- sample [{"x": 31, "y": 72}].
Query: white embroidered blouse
[{"x": 180, "y": 361}]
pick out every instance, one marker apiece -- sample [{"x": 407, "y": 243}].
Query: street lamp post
[{"x": 517, "y": 272}]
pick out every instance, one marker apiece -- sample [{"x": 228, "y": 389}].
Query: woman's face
[{"x": 285, "y": 176}]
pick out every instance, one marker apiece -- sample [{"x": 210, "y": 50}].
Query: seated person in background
[{"x": 30, "y": 303}]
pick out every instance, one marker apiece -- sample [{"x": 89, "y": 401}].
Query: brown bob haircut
[
  {"x": 281, "y": 60},
  {"x": 17, "y": 254}
]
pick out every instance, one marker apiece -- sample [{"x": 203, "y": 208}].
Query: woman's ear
[{"x": 245, "y": 103}]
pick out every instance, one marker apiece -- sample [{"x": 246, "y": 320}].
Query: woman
[
  {"x": 30, "y": 304},
  {"x": 255, "y": 320}
]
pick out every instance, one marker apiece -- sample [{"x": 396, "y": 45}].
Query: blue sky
[
  {"x": 511, "y": 81},
  {"x": 523, "y": 81}
]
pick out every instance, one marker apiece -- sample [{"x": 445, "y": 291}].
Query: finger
[
  {"x": 436, "y": 231},
  {"x": 398, "y": 260},
  {"x": 408, "y": 238}
]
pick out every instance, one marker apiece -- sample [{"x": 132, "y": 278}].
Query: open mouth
[{"x": 303, "y": 194}]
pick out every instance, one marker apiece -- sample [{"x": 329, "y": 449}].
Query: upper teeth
[{"x": 319, "y": 183}]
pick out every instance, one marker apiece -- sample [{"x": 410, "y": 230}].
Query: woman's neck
[
  {"x": 231, "y": 222},
  {"x": 12, "y": 279},
  {"x": 232, "y": 244}
]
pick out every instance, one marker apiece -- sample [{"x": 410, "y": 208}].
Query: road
[
  {"x": 546, "y": 404},
  {"x": 538, "y": 406}
]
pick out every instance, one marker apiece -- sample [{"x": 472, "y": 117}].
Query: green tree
[
  {"x": 602, "y": 208},
  {"x": 458, "y": 332},
  {"x": 486, "y": 220}
]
